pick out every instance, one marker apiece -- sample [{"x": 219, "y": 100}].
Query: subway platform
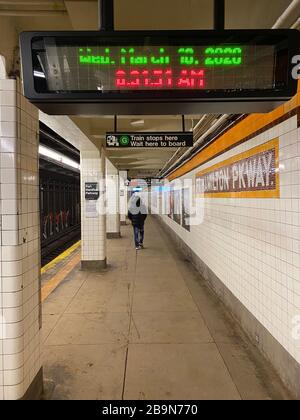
[{"x": 147, "y": 328}]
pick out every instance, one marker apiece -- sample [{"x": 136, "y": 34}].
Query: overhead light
[
  {"x": 52, "y": 154},
  {"x": 39, "y": 74},
  {"x": 137, "y": 122}
]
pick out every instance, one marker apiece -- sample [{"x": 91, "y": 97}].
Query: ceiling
[
  {"x": 138, "y": 14},
  {"x": 142, "y": 14}
]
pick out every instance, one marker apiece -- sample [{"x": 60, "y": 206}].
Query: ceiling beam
[
  {"x": 36, "y": 2},
  {"x": 32, "y": 13},
  {"x": 29, "y": 2}
]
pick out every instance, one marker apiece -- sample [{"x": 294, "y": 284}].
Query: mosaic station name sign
[{"x": 253, "y": 174}]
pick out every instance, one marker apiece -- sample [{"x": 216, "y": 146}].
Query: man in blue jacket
[{"x": 137, "y": 214}]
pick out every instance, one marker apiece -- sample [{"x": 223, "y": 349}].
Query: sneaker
[
  {"x": 138, "y": 248},
  {"x": 141, "y": 246}
]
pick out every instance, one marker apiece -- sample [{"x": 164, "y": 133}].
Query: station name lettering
[{"x": 255, "y": 173}]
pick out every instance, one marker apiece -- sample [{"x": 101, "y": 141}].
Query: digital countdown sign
[
  {"x": 159, "y": 67},
  {"x": 156, "y": 67},
  {"x": 178, "y": 67}
]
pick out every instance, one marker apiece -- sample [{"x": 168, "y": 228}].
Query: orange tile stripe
[
  {"x": 245, "y": 128},
  {"x": 52, "y": 284},
  {"x": 273, "y": 144},
  {"x": 244, "y": 194}
]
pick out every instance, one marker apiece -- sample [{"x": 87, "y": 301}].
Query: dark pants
[{"x": 138, "y": 235}]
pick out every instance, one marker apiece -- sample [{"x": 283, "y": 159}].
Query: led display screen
[
  {"x": 180, "y": 67},
  {"x": 86, "y": 72}
]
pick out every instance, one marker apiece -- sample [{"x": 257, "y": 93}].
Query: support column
[
  {"x": 112, "y": 201},
  {"x": 20, "y": 290},
  {"x": 123, "y": 197},
  {"x": 93, "y": 213}
]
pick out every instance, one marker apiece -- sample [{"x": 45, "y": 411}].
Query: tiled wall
[
  {"x": 253, "y": 245},
  {"x": 93, "y": 229},
  {"x": 20, "y": 243},
  {"x": 112, "y": 198}
]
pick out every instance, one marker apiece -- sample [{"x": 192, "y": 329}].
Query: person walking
[{"x": 137, "y": 214}]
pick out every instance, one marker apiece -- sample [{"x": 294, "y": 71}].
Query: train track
[{"x": 53, "y": 249}]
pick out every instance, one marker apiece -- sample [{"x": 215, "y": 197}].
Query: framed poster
[
  {"x": 91, "y": 210},
  {"x": 177, "y": 206},
  {"x": 186, "y": 209},
  {"x": 171, "y": 201}
]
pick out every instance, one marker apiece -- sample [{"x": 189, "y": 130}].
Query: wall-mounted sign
[
  {"x": 149, "y": 140},
  {"x": 252, "y": 174},
  {"x": 92, "y": 191}
]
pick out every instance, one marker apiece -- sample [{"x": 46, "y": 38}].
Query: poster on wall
[
  {"x": 171, "y": 201},
  {"x": 154, "y": 200},
  {"x": 177, "y": 206},
  {"x": 160, "y": 199},
  {"x": 165, "y": 196},
  {"x": 186, "y": 209},
  {"x": 91, "y": 210}
]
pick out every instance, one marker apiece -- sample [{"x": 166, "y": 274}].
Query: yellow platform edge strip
[
  {"x": 55, "y": 281},
  {"x": 60, "y": 258}
]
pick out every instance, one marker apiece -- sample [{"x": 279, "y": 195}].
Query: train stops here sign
[{"x": 149, "y": 140}]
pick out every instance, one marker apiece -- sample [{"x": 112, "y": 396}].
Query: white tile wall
[
  {"x": 19, "y": 242},
  {"x": 253, "y": 245},
  {"x": 93, "y": 230}
]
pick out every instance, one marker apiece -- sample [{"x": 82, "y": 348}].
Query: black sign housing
[
  {"x": 92, "y": 191},
  {"x": 93, "y": 101}
]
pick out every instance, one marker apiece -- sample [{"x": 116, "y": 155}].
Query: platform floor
[{"x": 147, "y": 328}]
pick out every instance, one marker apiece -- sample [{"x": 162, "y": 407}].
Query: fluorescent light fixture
[
  {"x": 39, "y": 74},
  {"x": 137, "y": 122},
  {"x": 52, "y": 154}
]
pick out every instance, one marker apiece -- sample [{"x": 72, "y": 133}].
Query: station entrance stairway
[{"x": 147, "y": 328}]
